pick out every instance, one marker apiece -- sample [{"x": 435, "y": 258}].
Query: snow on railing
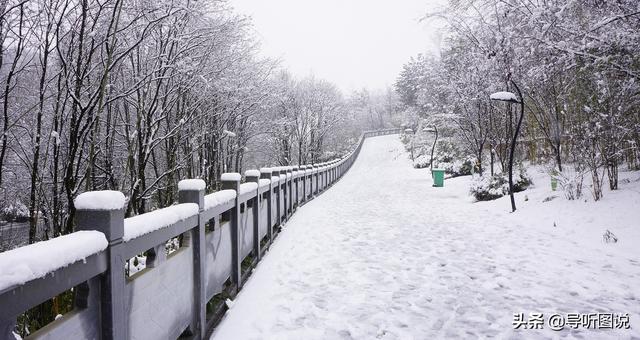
[
  {"x": 139, "y": 225},
  {"x": 35, "y": 261},
  {"x": 172, "y": 291}
]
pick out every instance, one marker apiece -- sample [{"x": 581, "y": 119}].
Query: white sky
[{"x": 352, "y": 43}]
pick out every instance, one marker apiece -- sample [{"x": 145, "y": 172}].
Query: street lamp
[
  {"x": 511, "y": 98},
  {"x": 432, "y": 128}
]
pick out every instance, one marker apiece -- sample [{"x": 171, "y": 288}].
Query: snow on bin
[{"x": 438, "y": 177}]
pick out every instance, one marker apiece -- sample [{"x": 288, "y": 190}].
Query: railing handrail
[{"x": 100, "y": 270}]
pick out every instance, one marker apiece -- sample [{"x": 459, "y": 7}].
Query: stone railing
[{"x": 167, "y": 299}]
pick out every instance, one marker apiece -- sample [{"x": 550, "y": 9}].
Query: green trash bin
[
  {"x": 554, "y": 183},
  {"x": 438, "y": 177},
  {"x": 554, "y": 180}
]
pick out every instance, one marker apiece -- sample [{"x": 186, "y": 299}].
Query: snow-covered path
[{"x": 383, "y": 255}]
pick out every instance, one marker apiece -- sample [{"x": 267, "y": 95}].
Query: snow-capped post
[
  {"x": 290, "y": 190},
  {"x": 316, "y": 178},
  {"x": 327, "y": 174},
  {"x": 306, "y": 184},
  {"x": 104, "y": 211},
  {"x": 284, "y": 192},
  {"x": 332, "y": 172},
  {"x": 302, "y": 176},
  {"x": 265, "y": 173},
  {"x": 192, "y": 191},
  {"x": 310, "y": 179},
  {"x": 253, "y": 176},
  {"x": 332, "y": 178},
  {"x": 324, "y": 175},
  {"x": 296, "y": 184},
  {"x": 231, "y": 181},
  {"x": 511, "y": 98},
  {"x": 275, "y": 172}
]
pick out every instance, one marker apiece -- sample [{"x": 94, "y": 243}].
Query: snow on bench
[
  {"x": 35, "y": 261},
  {"x": 137, "y": 226}
]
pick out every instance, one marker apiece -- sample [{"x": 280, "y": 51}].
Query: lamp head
[{"x": 504, "y": 96}]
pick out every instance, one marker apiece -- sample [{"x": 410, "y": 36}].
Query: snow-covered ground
[{"x": 384, "y": 255}]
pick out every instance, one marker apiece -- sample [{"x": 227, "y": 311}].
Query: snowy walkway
[{"x": 383, "y": 255}]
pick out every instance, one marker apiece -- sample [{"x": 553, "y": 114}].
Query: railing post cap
[
  {"x": 102, "y": 211},
  {"x": 265, "y": 173},
  {"x": 192, "y": 191},
  {"x": 230, "y": 177},
  {"x": 252, "y": 173},
  {"x": 194, "y": 184},
  {"x": 103, "y": 200},
  {"x": 231, "y": 180}
]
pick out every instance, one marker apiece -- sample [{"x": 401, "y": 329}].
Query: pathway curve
[{"x": 383, "y": 255}]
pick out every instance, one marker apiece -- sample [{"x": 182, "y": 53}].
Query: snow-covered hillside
[{"x": 384, "y": 255}]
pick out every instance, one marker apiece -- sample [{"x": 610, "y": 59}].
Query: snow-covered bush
[
  {"x": 15, "y": 212},
  {"x": 405, "y": 138},
  {"x": 448, "y": 157},
  {"x": 487, "y": 187},
  {"x": 571, "y": 184},
  {"x": 422, "y": 161},
  {"x": 458, "y": 167}
]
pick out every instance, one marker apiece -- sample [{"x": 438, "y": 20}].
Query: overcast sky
[{"x": 352, "y": 43}]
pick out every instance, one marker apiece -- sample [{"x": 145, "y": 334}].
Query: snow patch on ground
[{"x": 384, "y": 255}]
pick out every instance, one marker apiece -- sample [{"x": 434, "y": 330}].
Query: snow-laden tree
[{"x": 576, "y": 61}]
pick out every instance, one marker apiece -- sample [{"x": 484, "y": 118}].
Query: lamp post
[
  {"x": 434, "y": 129},
  {"x": 511, "y": 98}
]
